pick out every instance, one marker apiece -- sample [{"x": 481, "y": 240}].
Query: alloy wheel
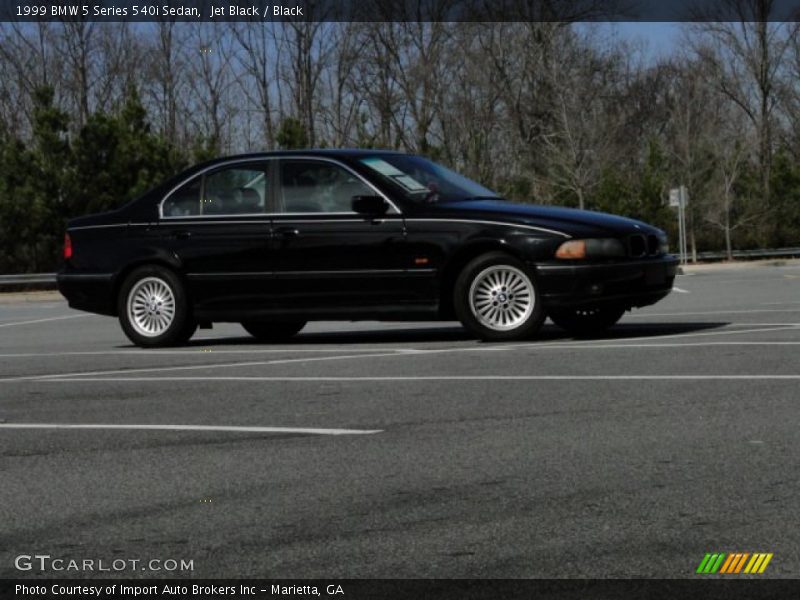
[
  {"x": 151, "y": 306},
  {"x": 501, "y": 297}
]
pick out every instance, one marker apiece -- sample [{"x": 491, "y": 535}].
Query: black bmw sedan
[{"x": 275, "y": 240}]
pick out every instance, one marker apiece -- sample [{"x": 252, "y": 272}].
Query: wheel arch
[
  {"x": 122, "y": 275},
  {"x": 456, "y": 264}
]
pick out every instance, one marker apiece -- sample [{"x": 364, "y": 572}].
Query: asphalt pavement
[{"x": 407, "y": 449}]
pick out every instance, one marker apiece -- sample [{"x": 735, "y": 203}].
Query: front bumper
[
  {"x": 92, "y": 292},
  {"x": 632, "y": 283}
]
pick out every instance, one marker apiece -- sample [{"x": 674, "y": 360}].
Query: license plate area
[{"x": 655, "y": 275}]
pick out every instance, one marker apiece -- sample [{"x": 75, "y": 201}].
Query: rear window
[{"x": 229, "y": 191}]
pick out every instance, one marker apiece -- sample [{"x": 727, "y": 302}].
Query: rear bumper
[
  {"x": 92, "y": 292},
  {"x": 632, "y": 284}
]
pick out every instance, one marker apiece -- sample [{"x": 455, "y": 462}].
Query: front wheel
[
  {"x": 497, "y": 300},
  {"x": 588, "y": 320},
  {"x": 272, "y": 331},
  {"x": 153, "y": 308}
]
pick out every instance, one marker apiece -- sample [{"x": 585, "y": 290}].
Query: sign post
[
  {"x": 679, "y": 198},
  {"x": 684, "y": 202}
]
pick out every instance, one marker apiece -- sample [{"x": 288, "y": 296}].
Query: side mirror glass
[{"x": 369, "y": 205}]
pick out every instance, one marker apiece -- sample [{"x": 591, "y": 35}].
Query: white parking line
[
  {"x": 227, "y": 428},
  {"x": 680, "y": 335},
  {"x": 427, "y": 378},
  {"x": 295, "y": 349},
  {"x": 680, "y": 290},
  {"x": 201, "y": 352},
  {"x": 763, "y": 325},
  {"x": 12, "y": 324},
  {"x": 394, "y": 353},
  {"x": 543, "y": 346},
  {"x": 259, "y": 363},
  {"x": 717, "y": 312},
  {"x": 605, "y": 346}
]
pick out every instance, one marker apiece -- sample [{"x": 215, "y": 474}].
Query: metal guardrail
[
  {"x": 28, "y": 278},
  {"x": 752, "y": 254},
  {"x": 27, "y": 282}
]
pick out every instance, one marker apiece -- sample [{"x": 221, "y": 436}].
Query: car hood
[{"x": 570, "y": 221}]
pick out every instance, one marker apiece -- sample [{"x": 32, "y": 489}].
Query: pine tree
[{"x": 33, "y": 192}]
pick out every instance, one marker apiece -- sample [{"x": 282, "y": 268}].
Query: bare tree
[
  {"x": 339, "y": 84},
  {"x": 745, "y": 59},
  {"x": 80, "y": 53},
  {"x": 470, "y": 118},
  {"x": 417, "y": 58},
  {"x": 519, "y": 54},
  {"x": 579, "y": 142},
  {"x": 693, "y": 106},
  {"x": 790, "y": 93},
  {"x": 165, "y": 75},
  {"x": 208, "y": 61},
  {"x": 118, "y": 54},
  {"x": 382, "y": 93},
  {"x": 27, "y": 55},
  {"x": 305, "y": 51},
  {"x": 725, "y": 210},
  {"x": 259, "y": 69}
]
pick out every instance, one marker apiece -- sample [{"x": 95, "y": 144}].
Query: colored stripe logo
[{"x": 734, "y": 563}]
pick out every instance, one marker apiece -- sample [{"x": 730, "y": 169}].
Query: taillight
[{"x": 67, "y": 247}]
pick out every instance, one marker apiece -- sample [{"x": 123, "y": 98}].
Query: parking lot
[{"x": 411, "y": 450}]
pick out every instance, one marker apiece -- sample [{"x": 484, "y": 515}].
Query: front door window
[{"x": 318, "y": 187}]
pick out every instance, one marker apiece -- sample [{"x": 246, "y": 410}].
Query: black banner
[
  {"x": 396, "y": 10},
  {"x": 389, "y": 589}
]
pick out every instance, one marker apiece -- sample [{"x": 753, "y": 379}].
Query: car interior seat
[
  {"x": 298, "y": 189},
  {"x": 249, "y": 201}
]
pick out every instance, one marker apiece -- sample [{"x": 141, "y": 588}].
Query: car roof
[
  {"x": 322, "y": 152},
  {"x": 191, "y": 171}
]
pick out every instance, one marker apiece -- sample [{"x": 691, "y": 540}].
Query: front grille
[
  {"x": 652, "y": 245},
  {"x": 640, "y": 245},
  {"x": 637, "y": 246}
]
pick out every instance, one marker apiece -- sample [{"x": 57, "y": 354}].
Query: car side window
[
  {"x": 318, "y": 187},
  {"x": 185, "y": 201},
  {"x": 235, "y": 191}
]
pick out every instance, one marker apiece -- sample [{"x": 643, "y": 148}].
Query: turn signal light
[
  {"x": 67, "y": 247},
  {"x": 572, "y": 250}
]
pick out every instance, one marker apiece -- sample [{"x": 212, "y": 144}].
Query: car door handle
[
  {"x": 287, "y": 232},
  {"x": 182, "y": 235}
]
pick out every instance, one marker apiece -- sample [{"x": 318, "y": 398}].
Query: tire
[
  {"x": 586, "y": 321},
  {"x": 273, "y": 331},
  {"x": 496, "y": 298},
  {"x": 153, "y": 308}
]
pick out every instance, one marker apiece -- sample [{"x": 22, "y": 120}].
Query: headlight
[
  {"x": 663, "y": 244},
  {"x": 571, "y": 250},
  {"x": 594, "y": 248}
]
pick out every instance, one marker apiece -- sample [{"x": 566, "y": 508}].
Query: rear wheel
[
  {"x": 586, "y": 320},
  {"x": 153, "y": 308},
  {"x": 273, "y": 331},
  {"x": 497, "y": 300}
]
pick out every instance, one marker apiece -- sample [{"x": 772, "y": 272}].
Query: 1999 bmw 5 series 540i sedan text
[{"x": 275, "y": 240}]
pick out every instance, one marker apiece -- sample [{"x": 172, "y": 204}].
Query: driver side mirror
[{"x": 369, "y": 205}]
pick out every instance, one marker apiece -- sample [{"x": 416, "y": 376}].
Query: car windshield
[{"x": 421, "y": 180}]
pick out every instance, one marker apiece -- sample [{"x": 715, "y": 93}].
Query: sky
[{"x": 660, "y": 38}]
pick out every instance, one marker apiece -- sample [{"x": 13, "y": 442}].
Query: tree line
[{"x": 93, "y": 114}]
